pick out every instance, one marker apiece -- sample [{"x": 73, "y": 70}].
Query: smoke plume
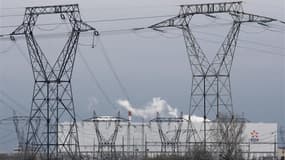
[
  {"x": 157, "y": 104},
  {"x": 149, "y": 110}
]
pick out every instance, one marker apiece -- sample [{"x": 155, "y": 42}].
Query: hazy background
[{"x": 149, "y": 64}]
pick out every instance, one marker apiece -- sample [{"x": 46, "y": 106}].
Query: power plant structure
[
  {"x": 54, "y": 133},
  {"x": 259, "y": 140}
]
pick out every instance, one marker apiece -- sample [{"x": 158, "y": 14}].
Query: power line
[
  {"x": 4, "y": 137},
  {"x": 6, "y": 141},
  {"x": 11, "y": 15},
  {"x": 100, "y": 20},
  {"x": 108, "y": 60},
  {"x": 22, "y": 53},
  {"x": 132, "y": 30},
  {"x": 240, "y": 39},
  {"x": 97, "y": 83},
  {"x": 241, "y": 46},
  {"x": 88, "y": 8},
  {"x": 119, "y": 31},
  {"x": 7, "y": 105},
  {"x": 244, "y": 47},
  {"x": 21, "y": 106},
  {"x": 6, "y": 50},
  {"x": 125, "y": 19},
  {"x": 128, "y": 30}
]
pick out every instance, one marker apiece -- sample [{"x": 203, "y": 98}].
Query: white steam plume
[
  {"x": 149, "y": 111},
  {"x": 195, "y": 118},
  {"x": 157, "y": 104}
]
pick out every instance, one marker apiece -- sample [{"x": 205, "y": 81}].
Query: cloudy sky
[{"x": 152, "y": 67}]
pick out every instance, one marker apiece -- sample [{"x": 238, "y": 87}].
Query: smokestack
[
  {"x": 130, "y": 115},
  {"x": 129, "y": 132}
]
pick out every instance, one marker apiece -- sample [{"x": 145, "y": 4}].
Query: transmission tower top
[
  {"x": 209, "y": 8},
  {"x": 159, "y": 119},
  {"x": 71, "y": 11},
  {"x": 234, "y": 9},
  {"x": 96, "y": 118}
]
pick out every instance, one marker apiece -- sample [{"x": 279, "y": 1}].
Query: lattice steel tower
[
  {"x": 169, "y": 143},
  {"x": 211, "y": 89},
  {"x": 106, "y": 143},
  {"x": 52, "y": 99}
]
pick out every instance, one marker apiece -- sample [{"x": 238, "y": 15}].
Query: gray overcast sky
[{"x": 149, "y": 64}]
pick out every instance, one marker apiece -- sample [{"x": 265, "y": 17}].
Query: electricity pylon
[
  {"x": 20, "y": 130},
  {"x": 166, "y": 141},
  {"x": 52, "y": 99},
  {"x": 106, "y": 145},
  {"x": 211, "y": 89},
  {"x": 20, "y": 124}
]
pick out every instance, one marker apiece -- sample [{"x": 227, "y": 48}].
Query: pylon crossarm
[
  {"x": 167, "y": 119},
  {"x": 106, "y": 119},
  {"x": 18, "y": 31},
  {"x": 84, "y": 27},
  {"x": 26, "y": 27},
  {"x": 78, "y": 25},
  {"x": 248, "y": 17},
  {"x": 53, "y": 9},
  {"x": 210, "y": 8},
  {"x": 187, "y": 11},
  {"x": 71, "y": 11},
  {"x": 177, "y": 21}
]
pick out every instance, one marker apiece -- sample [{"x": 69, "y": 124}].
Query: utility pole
[
  {"x": 52, "y": 99},
  {"x": 211, "y": 89}
]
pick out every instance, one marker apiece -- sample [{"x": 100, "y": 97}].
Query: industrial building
[{"x": 259, "y": 139}]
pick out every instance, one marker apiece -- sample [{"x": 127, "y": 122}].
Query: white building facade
[{"x": 259, "y": 139}]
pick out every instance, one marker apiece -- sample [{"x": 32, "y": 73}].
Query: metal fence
[{"x": 154, "y": 149}]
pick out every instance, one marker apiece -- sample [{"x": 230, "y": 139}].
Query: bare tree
[
  {"x": 227, "y": 133},
  {"x": 198, "y": 152}
]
